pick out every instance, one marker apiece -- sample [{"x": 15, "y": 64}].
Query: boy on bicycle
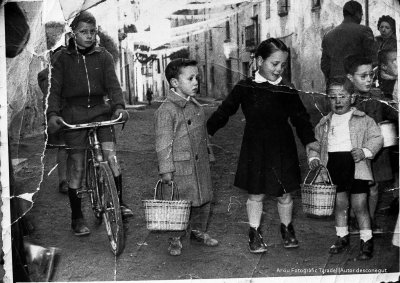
[{"x": 83, "y": 75}]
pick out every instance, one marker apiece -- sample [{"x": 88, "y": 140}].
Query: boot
[
  {"x": 340, "y": 244},
  {"x": 77, "y": 223},
  {"x": 288, "y": 236},
  {"x": 366, "y": 249},
  {"x": 203, "y": 238},
  {"x": 175, "y": 246},
  {"x": 256, "y": 243},
  {"x": 125, "y": 210}
]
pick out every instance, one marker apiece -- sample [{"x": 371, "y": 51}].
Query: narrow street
[{"x": 145, "y": 256}]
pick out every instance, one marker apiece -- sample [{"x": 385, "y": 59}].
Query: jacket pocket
[{"x": 182, "y": 162}]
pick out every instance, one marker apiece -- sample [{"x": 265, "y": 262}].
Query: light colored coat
[
  {"x": 181, "y": 146},
  {"x": 364, "y": 133}
]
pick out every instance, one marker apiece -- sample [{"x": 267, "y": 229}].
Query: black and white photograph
[{"x": 208, "y": 140}]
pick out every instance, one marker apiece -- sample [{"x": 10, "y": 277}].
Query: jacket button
[
  {"x": 189, "y": 122},
  {"x": 196, "y": 157}
]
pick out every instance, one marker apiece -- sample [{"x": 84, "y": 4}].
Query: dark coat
[
  {"x": 181, "y": 146},
  {"x": 268, "y": 162},
  {"x": 348, "y": 38},
  {"x": 76, "y": 76}
]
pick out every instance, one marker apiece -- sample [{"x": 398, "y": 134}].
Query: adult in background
[
  {"x": 387, "y": 40},
  {"x": 347, "y": 38}
]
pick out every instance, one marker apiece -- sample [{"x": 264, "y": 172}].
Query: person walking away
[
  {"x": 83, "y": 75},
  {"x": 268, "y": 161},
  {"x": 346, "y": 39},
  {"x": 149, "y": 95},
  {"x": 181, "y": 146},
  {"x": 348, "y": 140}
]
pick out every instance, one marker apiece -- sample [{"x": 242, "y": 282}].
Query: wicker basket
[
  {"x": 318, "y": 198},
  {"x": 167, "y": 215}
]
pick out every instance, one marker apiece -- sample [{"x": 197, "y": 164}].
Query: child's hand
[
  {"x": 125, "y": 115},
  {"x": 358, "y": 154},
  {"x": 314, "y": 164},
  {"x": 54, "y": 124},
  {"x": 167, "y": 178}
]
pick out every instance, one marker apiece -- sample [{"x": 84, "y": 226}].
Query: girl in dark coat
[{"x": 268, "y": 162}]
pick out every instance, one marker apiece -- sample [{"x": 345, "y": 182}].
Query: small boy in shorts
[
  {"x": 181, "y": 146},
  {"x": 83, "y": 74},
  {"x": 348, "y": 140}
]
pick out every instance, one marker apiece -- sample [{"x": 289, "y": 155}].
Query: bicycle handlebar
[{"x": 94, "y": 124}]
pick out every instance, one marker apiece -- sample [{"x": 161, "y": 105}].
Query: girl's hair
[
  {"x": 389, "y": 20},
  {"x": 269, "y": 46}
]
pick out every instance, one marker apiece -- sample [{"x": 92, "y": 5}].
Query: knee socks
[
  {"x": 365, "y": 235},
  {"x": 342, "y": 231},
  {"x": 285, "y": 212},
  {"x": 254, "y": 212},
  {"x": 75, "y": 203}
]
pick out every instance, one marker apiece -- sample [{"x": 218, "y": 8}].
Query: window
[
  {"x": 316, "y": 5},
  {"x": 228, "y": 31},
  {"x": 283, "y": 7},
  {"x": 267, "y": 9},
  {"x": 250, "y": 36}
]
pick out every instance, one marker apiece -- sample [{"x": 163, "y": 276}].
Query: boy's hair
[
  {"x": 269, "y": 46},
  {"x": 174, "y": 67},
  {"x": 383, "y": 54},
  {"x": 85, "y": 17},
  {"x": 352, "y": 62},
  {"x": 347, "y": 85},
  {"x": 389, "y": 20}
]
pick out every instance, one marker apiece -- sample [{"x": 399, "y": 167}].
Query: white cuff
[{"x": 367, "y": 152}]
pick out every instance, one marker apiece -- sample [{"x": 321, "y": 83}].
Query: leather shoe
[
  {"x": 175, "y": 246},
  {"x": 79, "y": 227},
  {"x": 366, "y": 249},
  {"x": 203, "y": 238},
  {"x": 126, "y": 212},
  {"x": 256, "y": 242},
  {"x": 340, "y": 244},
  {"x": 288, "y": 236}
]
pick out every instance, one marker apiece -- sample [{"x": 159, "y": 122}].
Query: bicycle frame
[{"x": 101, "y": 186}]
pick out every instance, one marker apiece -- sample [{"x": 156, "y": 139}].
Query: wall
[{"x": 302, "y": 30}]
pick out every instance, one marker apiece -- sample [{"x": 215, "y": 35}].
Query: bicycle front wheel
[{"x": 111, "y": 209}]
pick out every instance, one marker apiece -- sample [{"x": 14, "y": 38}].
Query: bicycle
[{"x": 100, "y": 185}]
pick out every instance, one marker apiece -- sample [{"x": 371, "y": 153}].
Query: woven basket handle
[
  {"x": 316, "y": 175},
  {"x": 159, "y": 185}
]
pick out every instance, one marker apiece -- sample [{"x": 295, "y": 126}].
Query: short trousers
[
  {"x": 55, "y": 140},
  {"x": 341, "y": 167},
  {"x": 77, "y": 114}
]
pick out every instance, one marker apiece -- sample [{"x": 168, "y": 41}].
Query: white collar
[
  {"x": 260, "y": 79},
  {"x": 186, "y": 98}
]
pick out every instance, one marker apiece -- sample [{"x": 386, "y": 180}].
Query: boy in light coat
[
  {"x": 181, "y": 145},
  {"x": 348, "y": 140}
]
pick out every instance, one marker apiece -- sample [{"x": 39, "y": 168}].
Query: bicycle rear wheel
[{"x": 111, "y": 209}]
